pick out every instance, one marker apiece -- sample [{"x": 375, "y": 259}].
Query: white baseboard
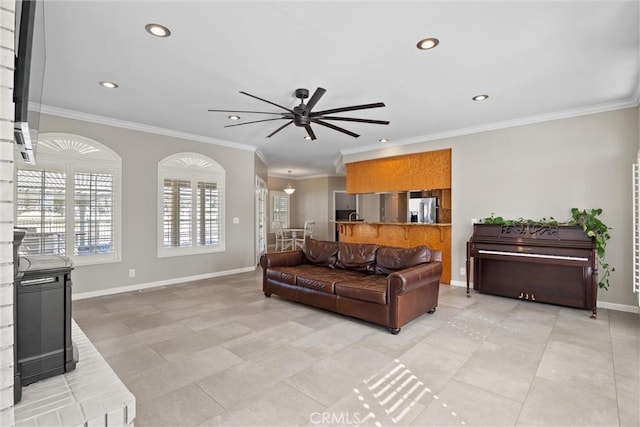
[
  {"x": 139, "y": 286},
  {"x": 618, "y": 307},
  {"x": 460, "y": 283},
  {"x": 600, "y": 304}
]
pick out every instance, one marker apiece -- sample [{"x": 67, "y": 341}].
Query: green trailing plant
[
  {"x": 599, "y": 232},
  {"x": 498, "y": 220},
  {"x": 592, "y": 226}
]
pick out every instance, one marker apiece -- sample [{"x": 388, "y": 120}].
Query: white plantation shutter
[
  {"x": 94, "y": 207},
  {"x": 178, "y": 211},
  {"x": 279, "y": 209},
  {"x": 41, "y": 204},
  {"x": 208, "y": 225}
]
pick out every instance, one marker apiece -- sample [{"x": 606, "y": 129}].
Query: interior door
[{"x": 262, "y": 195}]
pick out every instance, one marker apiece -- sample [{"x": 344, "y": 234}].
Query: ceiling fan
[{"x": 302, "y": 116}]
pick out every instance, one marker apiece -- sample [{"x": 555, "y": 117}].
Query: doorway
[{"x": 344, "y": 204}]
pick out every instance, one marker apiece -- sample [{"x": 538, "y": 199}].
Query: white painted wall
[{"x": 140, "y": 152}]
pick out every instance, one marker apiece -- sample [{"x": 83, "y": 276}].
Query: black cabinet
[{"x": 43, "y": 344}]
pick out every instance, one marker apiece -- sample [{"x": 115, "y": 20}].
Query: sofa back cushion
[
  {"x": 357, "y": 256},
  {"x": 320, "y": 252},
  {"x": 391, "y": 259}
]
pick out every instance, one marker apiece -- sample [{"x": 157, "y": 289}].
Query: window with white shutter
[
  {"x": 191, "y": 205},
  {"x": 279, "y": 210},
  {"x": 69, "y": 200}
]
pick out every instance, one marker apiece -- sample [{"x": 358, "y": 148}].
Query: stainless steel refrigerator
[{"x": 423, "y": 210}]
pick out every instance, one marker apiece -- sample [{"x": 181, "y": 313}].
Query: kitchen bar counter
[
  {"x": 435, "y": 224},
  {"x": 401, "y": 234}
]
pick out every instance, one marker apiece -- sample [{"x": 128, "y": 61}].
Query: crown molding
[
  {"x": 632, "y": 101},
  {"x": 302, "y": 178},
  {"x": 338, "y": 163},
  {"x": 262, "y": 158},
  {"x": 76, "y": 115}
]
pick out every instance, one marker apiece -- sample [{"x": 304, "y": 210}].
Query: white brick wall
[
  {"x": 7, "y": 22},
  {"x": 92, "y": 395}
]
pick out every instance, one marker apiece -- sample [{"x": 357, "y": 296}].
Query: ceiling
[{"x": 535, "y": 60}]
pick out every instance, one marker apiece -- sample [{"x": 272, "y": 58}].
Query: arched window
[
  {"x": 69, "y": 200},
  {"x": 190, "y": 205}
]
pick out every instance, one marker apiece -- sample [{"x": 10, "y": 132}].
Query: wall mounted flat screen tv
[{"x": 28, "y": 76}]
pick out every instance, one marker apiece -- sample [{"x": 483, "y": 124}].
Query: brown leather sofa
[{"x": 380, "y": 284}]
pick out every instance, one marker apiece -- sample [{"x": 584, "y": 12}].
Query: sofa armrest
[
  {"x": 406, "y": 280},
  {"x": 282, "y": 259}
]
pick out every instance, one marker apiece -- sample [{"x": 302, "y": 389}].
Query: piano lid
[{"x": 531, "y": 234}]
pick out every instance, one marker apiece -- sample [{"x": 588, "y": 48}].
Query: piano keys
[{"x": 542, "y": 263}]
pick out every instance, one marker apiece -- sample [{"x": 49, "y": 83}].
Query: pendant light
[{"x": 289, "y": 189}]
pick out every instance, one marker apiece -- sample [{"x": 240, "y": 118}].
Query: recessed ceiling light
[
  {"x": 480, "y": 97},
  {"x": 384, "y": 140},
  {"x": 234, "y": 117},
  {"x": 157, "y": 30},
  {"x": 108, "y": 84},
  {"x": 428, "y": 43},
  {"x": 307, "y": 137}
]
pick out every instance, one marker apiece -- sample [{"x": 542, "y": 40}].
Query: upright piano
[{"x": 535, "y": 262}]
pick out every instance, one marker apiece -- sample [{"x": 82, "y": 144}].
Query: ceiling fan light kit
[{"x": 302, "y": 115}]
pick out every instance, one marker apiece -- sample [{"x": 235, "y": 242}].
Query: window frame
[
  {"x": 71, "y": 154},
  {"x": 195, "y": 168}
]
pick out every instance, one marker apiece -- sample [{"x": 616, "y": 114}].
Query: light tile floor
[{"x": 217, "y": 352}]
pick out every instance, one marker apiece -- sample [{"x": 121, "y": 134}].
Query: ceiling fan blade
[
  {"x": 352, "y": 108},
  {"x": 268, "y": 102},
  {"x": 334, "y": 127},
  {"x": 244, "y": 111},
  {"x": 280, "y": 128},
  {"x": 353, "y": 119},
  {"x": 256, "y": 121},
  {"x": 310, "y": 132},
  {"x": 315, "y": 98}
]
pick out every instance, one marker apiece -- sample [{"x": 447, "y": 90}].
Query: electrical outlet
[
  {"x": 236, "y": 220},
  {"x": 463, "y": 271},
  {"x": 132, "y": 272}
]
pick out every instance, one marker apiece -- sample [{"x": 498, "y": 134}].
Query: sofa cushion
[
  {"x": 389, "y": 259},
  {"x": 321, "y": 252},
  {"x": 371, "y": 289},
  {"x": 357, "y": 256},
  {"x": 283, "y": 274},
  {"x": 323, "y": 279}
]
